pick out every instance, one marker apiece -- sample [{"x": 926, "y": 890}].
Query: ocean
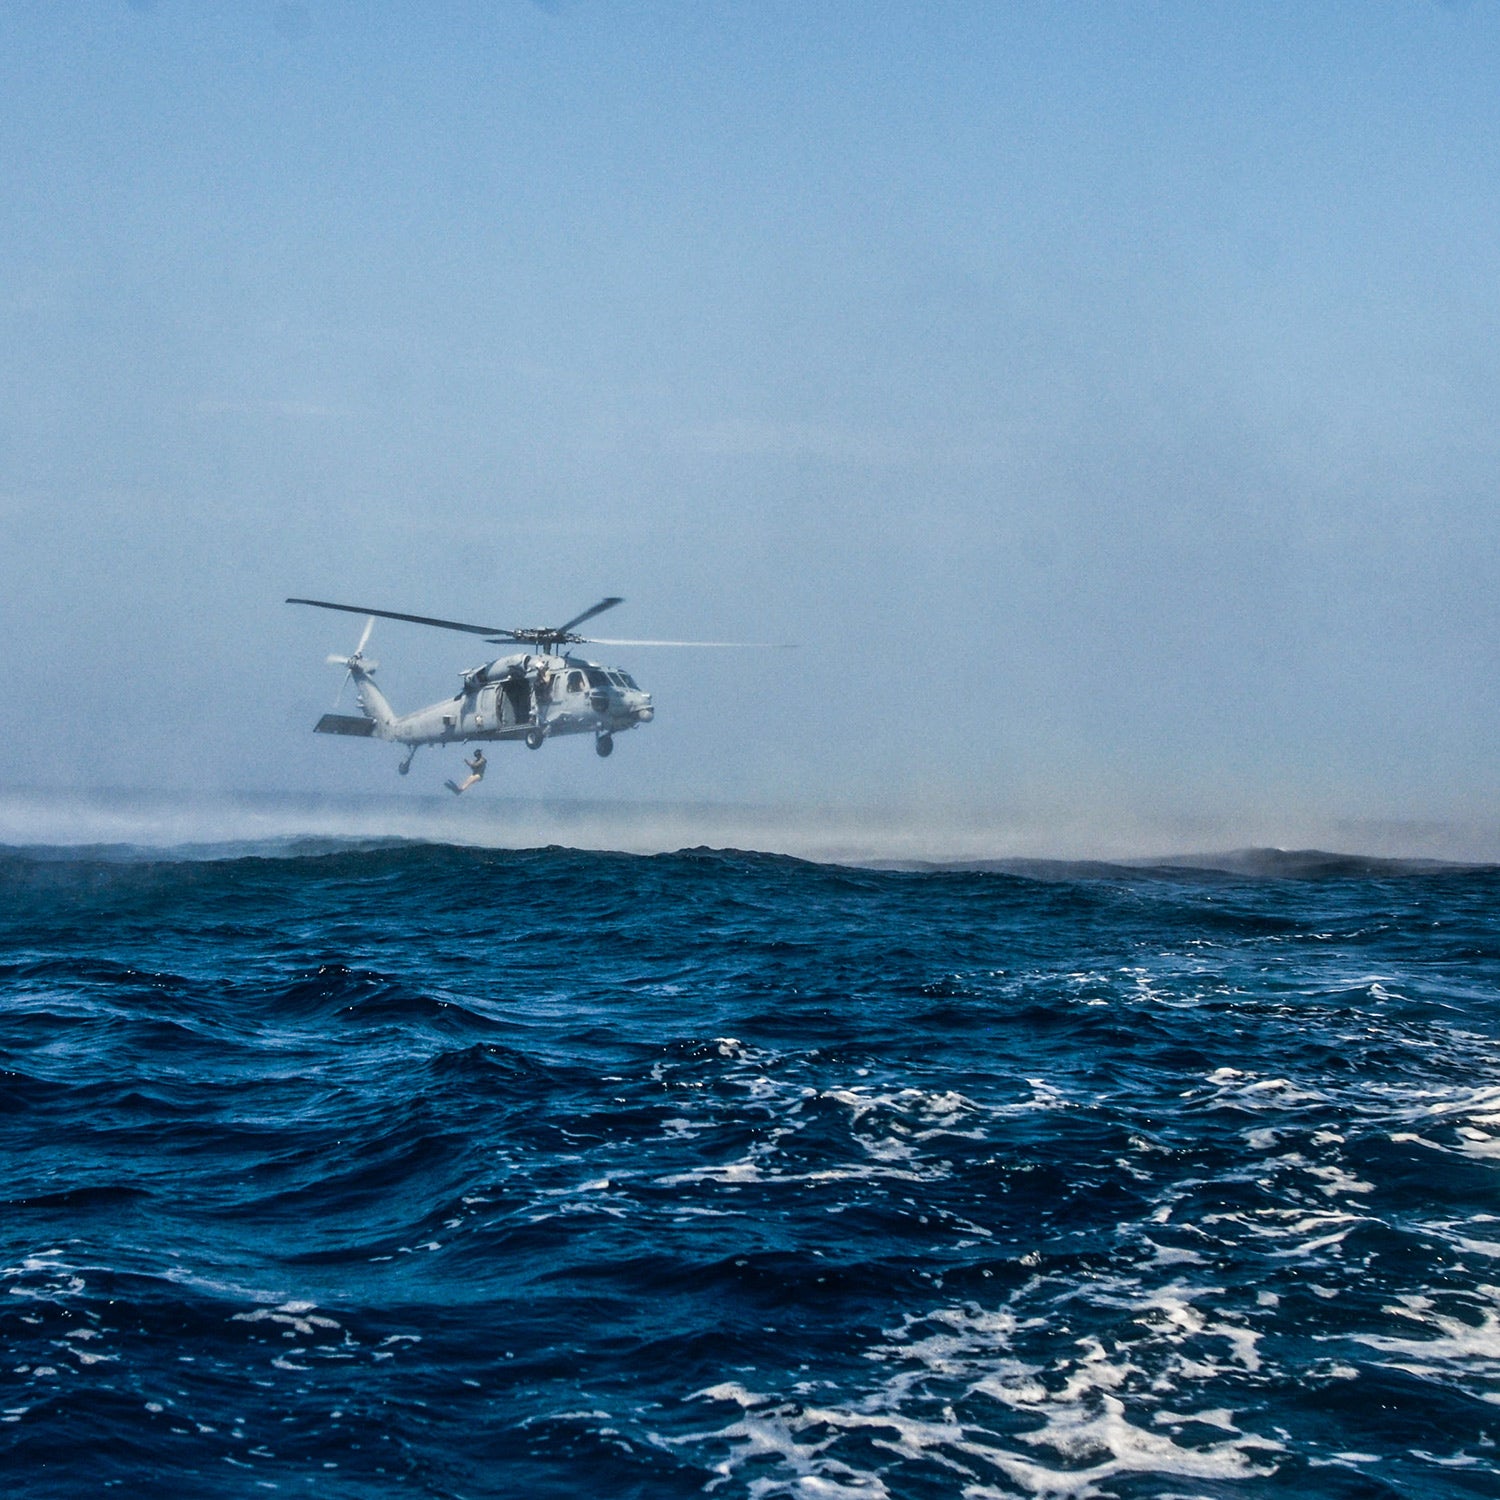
[{"x": 368, "y": 1167}]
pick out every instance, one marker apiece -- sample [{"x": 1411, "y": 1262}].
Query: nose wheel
[{"x": 604, "y": 745}]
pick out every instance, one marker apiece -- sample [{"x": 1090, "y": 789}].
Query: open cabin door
[{"x": 515, "y": 701}]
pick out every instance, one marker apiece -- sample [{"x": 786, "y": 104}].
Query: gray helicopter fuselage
[
  {"x": 532, "y": 695},
  {"x": 514, "y": 697}
]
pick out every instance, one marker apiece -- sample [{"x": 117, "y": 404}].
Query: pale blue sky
[{"x": 1105, "y": 394}]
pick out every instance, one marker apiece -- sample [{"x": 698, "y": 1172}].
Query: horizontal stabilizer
[{"x": 345, "y": 724}]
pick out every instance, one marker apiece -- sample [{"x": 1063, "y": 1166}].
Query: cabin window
[{"x": 575, "y": 682}]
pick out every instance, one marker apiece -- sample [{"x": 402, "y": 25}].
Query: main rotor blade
[
  {"x": 501, "y": 636},
  {"x": 364, "y": 637},
  {"x": 391, "y": 614},
  {"x": 589, "y": 614},
  {"x": 728, "y": 645}
]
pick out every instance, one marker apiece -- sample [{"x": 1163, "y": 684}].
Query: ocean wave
[{"x": 466, "y": 1169}]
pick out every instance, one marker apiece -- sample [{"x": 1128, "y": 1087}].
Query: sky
[{"x": 1103, "y": 396}]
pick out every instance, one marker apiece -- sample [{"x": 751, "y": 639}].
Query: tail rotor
[{"x": 355, "y": 662}]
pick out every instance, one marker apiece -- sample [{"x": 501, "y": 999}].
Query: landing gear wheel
[
  {"x": 534, "y": 738},
  {"x": 405, "y": 765},
  {"x": 604, "y": 745}
]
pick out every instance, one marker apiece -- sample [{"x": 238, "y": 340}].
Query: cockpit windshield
[
  {"x": 628, "y": 680},
  {"x": 597, "y": 678}
]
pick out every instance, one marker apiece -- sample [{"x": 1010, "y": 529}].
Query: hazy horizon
[
  {"x": 1102, "y": 397},
  {"x": 275, "y": 822}
]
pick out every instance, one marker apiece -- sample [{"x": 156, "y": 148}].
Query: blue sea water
[{"x": 359, "y": 1170}]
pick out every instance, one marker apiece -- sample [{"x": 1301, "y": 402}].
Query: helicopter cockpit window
[
  {"x": 629, "y": 681},
  {"x": 575, "y": 682},
  {"x": 596, "y": 677}
]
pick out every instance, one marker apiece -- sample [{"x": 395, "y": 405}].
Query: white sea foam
[
  {"x": 1446, "y": 1343},
  {"x": 1336, "y": 1180},
  {"x": 1102, "y": 1445},
  {"x": 1471, "y": 1118},
  {"x": 298, "y": 1316},
  {"x": 1094, "y": 1406},
  {"x": 1234, "y": 1089}
]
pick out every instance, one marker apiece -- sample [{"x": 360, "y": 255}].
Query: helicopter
[{"x": 542, "y": 692}]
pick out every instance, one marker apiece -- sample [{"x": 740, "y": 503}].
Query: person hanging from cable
[{"x": 476, "y": 764}]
